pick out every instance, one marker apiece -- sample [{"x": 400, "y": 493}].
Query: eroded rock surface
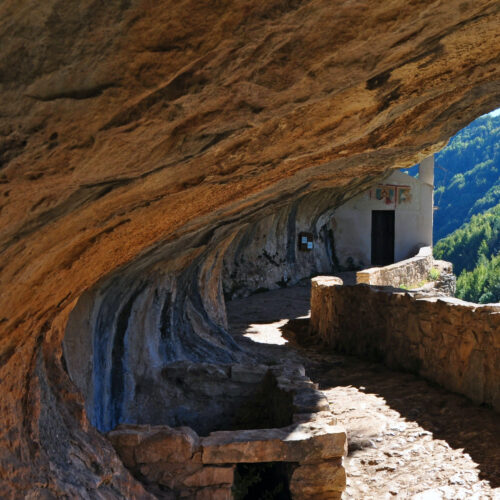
[{"x": 139, "y": 140}]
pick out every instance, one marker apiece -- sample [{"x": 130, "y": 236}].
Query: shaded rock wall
[
  {"x": 266, "y": 255},
  {"x": 446, "y": 340},
  {"x": 135, "y": 133},
  {"x": 125, "y": 332}
]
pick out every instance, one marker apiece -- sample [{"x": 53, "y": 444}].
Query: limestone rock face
[{"x": 140, "y": 140}]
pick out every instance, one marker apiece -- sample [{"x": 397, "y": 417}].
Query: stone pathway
[{"x": 408, "y": 439}]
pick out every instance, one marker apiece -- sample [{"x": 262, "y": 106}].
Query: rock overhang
[{"x": 99, "y": 172}]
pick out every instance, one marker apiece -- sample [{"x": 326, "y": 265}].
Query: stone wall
[
  {"x": 180, "y": 463},
  {"x": 405, "y": 272},
  {"x": 446, "y": 340}
]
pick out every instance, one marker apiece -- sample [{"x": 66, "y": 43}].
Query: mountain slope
[
  {"x": 482, "y": 284},
  {"x": 467, "y": 176},
  {"x": 474, "y": 249}
]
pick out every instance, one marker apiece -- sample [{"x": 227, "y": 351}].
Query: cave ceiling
[{"x": 131, "y": 126}]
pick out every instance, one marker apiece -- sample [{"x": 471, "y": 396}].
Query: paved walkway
[{"x": 408, "y": 439}]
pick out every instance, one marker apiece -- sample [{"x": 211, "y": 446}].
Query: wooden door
[{"x": 382, "y": 237}]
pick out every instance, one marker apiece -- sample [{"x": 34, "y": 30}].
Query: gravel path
[{"x": 408, "y": 439}]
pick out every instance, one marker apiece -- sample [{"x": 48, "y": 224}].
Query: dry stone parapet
[
  {"x": 405, "y": 272},
  {"x": 444, "y": 339}
]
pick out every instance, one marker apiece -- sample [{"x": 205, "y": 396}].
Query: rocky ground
[{"x": 408, "y": 439}]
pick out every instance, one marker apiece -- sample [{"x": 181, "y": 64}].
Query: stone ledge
[
  {"x": 407, "y": 271},
  {"x": 303, "y": 443}
]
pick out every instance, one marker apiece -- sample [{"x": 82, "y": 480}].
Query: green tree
[{"x": 465, "y": 246}]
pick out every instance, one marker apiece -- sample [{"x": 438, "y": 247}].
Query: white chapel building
[{"x": 387, "y": 223}]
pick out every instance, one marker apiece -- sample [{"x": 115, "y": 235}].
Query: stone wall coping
[
  {"x": 453, "y": 301},
  {"x": 494, "y": 308},
  {"x": 326, "y": 281},
  {"x": 293, "y": 432},
  {"x": 302, "y": 443},
  {"x": 423, "y": 253}
]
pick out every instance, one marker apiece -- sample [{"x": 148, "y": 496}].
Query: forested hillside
[
  {"x": 474, "y": 250},
  {"x": 467, "y": 175},
  {"x": 467, "y": 218}
]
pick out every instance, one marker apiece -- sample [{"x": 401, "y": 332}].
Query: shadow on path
[
  {"x": 450, "y": 417},
  {"x": 257, "y": 323}
]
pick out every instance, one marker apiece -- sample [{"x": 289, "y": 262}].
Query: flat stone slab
[
  {"x": 304, "y": 443},
  {"x": 326, "y": 281}
]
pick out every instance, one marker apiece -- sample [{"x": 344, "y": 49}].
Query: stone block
[
  {"x": 125, "y": 440},
  {"x": 326, "y": 480},
  {"x": 210, "y": 476},
  {"x": 326, "y": 281},
  {"x": 169, "y": 474},
  {"x": 125, "y": 435},
  {"x": 312, "y": 442},
  {"x": 168, "y": 444}
]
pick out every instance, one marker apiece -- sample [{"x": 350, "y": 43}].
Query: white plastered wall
[{"x": 413, "y": 220}]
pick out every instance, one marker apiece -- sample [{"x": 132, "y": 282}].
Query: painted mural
[{"x": 391, "y": 194}]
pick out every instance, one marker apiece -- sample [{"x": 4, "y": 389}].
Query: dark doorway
[
  {"x": 382, "y": 237},
  {"x": 267, "y": 480}
]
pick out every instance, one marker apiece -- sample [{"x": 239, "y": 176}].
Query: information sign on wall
[{"x": 306, "y": 243}]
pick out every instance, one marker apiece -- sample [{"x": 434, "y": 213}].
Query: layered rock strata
[{"x": 139, "y": 139}]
